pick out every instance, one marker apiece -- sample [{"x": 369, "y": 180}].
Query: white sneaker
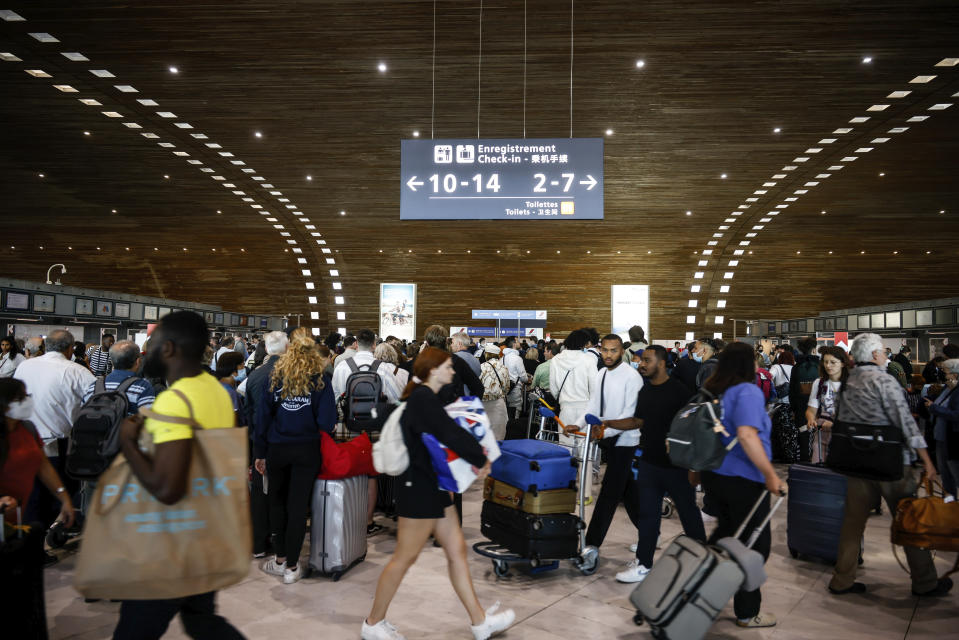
[
  {"x": 633, "y": 547},
  {"x": 494, "y": 623},
  {"x": 382, "y": 630},
  {"x": 634, "y": 572},
  {"x": 293, "y": 575},
  {"x": 273, "y": 567}
]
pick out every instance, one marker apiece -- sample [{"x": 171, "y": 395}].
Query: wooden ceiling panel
[{"x": 719, "y": 76}]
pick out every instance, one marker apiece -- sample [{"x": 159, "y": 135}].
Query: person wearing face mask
[
  {"x": 687, "y": 368},
  {"x": 705, "y": 354},
  {"x": 872, "y": 397},
  {"x": 945, "y": 413},
  {"x": 21, "y": 455},
  {"x": 821, "y": 409},
  {"x": 230, "y": 371}
]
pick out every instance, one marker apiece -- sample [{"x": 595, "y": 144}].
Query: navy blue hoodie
[{"x": 295, "y": 419}]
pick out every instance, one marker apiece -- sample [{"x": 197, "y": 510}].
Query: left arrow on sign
[
  {"x": 591, "y": 182},
  {"x": 413, "y": 183}
]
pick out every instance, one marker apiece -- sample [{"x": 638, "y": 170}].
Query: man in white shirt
[
  {"x": 365, "y": 340},
  {"x": 517, "y": 376},
  {"x": 613, "y": 397},
  {"x": 56, "y": 384},
  {"x": 226, "y": 346}
]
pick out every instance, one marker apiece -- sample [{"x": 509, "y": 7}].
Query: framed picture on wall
[
  {"x": 44, "y": 303},
  {"x": 149, "y": 312},
  {"x": 218, "y": 318},
  {"x": 208, "y": 316},
  {"x": 163, "y": 311},
  {"x": 122, "y": 310},
  {"x": 84, "y": 307},
  {"x": 104, "y": 308},
  {"x": 17, "y": 301}
]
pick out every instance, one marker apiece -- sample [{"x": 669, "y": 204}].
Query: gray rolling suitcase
[
  {"x": 691, "y": 582},
  {"x": 338, "y": 525}
]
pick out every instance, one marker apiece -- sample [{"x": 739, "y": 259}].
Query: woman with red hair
[{"x": 424, "y": 509}]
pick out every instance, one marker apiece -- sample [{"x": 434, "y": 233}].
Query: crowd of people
[{"x": 288, "y": 387}]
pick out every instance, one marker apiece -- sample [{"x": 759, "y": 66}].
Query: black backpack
[
  {"x": 95, "y": 436},
  {"x": 694, "y": 441},
  {"x": 365, "y": 407}
]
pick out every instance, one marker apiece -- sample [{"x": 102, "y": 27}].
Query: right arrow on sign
[
  {"x": 413, "y": 183},
  {"x": 591, "y": 182}
]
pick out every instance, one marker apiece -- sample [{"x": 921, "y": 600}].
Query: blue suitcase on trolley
[{"x": 534, "y": 465}]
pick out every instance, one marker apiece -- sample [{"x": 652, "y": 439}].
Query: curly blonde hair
[{"x": 296, "y": 369}]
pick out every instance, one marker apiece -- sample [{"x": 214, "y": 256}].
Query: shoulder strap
[
  {"x": 126, "y": 384},
  {"x": 352, "y": 365},
  {"x": 376, "y": 365},
  {"x": 190, "y": 422},
  {"x": 563, "y": 383},
  {"x": 101, "y": 385}
]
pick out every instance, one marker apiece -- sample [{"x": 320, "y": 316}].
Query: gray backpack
[
  {"x": 694, "y": 440},
  {"x": 95, "y": 436}
]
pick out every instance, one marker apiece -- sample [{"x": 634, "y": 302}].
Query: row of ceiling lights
[
  {"x": 103, "y": 73},
  {"x": 947, "y": 62}
]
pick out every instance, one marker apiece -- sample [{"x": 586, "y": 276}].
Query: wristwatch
[{"x": 60, "y": 490}]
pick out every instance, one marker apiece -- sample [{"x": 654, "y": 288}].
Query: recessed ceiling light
[
  {"x": 859, "y": 119},
  {"x": 38, "y": 73},
  {"x": 309, "y": 178},
  {"x": 689, "y": 213},
  {"x": 830, "y": 253},
  {"x": 65, "y": 88},
  {"x": 822, "y": 213},
  {"x": 166, "y": 176},
  {"x": 174, "y": 70},
  {"x": 878, "y": 107},
  {"x": 899, "y": 94},
  {"x": 258, "y": 134},
  {"x": 928, "y": 252},
  {"x": 342, "y": 213},
  {"x": 609, "y": 132},
  {"x": 948, "y": 62},
  {"x": 382, "y": 67},
  {"x": 183, "y": 125},
  {"x": 86, "y": 133},
  {"x": 842, "y": 130},
  {"x": 166, "y": 114},
  {"x": 11, "y": 16},
  {"x": 722, "y": 176},
  {"x": 75, "y": 56},
  {"x": 940, "y": 106},
  {"x": 416, "y": 134},
  {"x": 102, "y": 73},
  {"x": 111, "y": 114},
  {"x": 640, "y": 64},
  {"x": 777, "y": 130},
  {"x": 125, "y": 88},
  {"x": 587, "y": 251},
  {"x": 867, "y": 60},
  {"x": 917, "y": 119},
  {"x": 42, "y": 175},
  {"x": 113, "y": 210},
  {"x": 43, "y": 37},
  {"x": 922, "y": 79},
  {"x": 862, "y": 253},
  {"x": 881, "y": 174},
  {"x": 9, "y": 57}
]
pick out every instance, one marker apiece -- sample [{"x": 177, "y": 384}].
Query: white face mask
[{"x": 21, "y": 409}]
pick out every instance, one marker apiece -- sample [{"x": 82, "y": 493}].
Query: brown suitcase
[{"x": 539, "y": 502}]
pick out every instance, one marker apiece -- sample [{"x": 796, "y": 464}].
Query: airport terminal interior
[{"x": 776, "y": 174}]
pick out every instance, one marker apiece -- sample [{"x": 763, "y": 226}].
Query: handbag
[
  {"x": 347, "y": 459},
  {"x": 869, "y": 451},
  {"x": 136, "y": 548},
  {"x": 927, "y": 523}
]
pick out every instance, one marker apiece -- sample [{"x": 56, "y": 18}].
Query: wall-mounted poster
[
  {"x": 121, "y": 310},
  {"x": 208, "y": 316},
  {"x": 104, "y": 308},
  {"x": 218, "y": 318},
  {"x": 164, "y": 311},
  {"x": 630, "y": 306},
  {"x": 44, "y": 303},
  {"x": 150, "y": 312},
  {"x": 398, "y": 310},
  {"x": 18, "y": 301},
  {"x": 84, "y": 307}
]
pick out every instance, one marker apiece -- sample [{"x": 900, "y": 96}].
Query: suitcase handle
[
  {"x": 533, "y": 465},
  {"x": 762, "y": 525}
]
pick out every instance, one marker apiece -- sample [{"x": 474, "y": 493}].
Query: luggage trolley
[{"x": 587, "y": 560}]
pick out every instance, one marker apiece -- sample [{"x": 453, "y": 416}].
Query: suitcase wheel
[
  {"x": 793, "y": 553},
  {"x": 638, "y": 619},
  {"x": 667, "y": 508},
  {"x": 533, "y": 465},
  {"x": 500, "y": 568},
  {"x": 537, "y": 524}
]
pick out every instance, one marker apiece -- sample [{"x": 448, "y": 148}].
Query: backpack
[
  {"x": 694, "y": 440},
  {"x": 390, "y": 455},
  {"x": 95, "y": 436},
  {"x": 364, "y": 404},
  {"x": 764, "y": 381},
  {"x": 806, "y": 372}
]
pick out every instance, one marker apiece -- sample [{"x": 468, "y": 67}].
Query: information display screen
[{"x": 502, "y": 179}]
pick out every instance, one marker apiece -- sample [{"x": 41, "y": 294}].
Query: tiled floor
[{"x": 559, "y": 604}]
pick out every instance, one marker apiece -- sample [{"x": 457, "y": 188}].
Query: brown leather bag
[{"x": 927, "y": 523}]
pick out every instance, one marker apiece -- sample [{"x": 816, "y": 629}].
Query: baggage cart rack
[{"x": 503, "y": 557}]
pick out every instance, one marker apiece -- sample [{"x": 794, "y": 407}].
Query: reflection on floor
[{"x": 558, "y": 604}]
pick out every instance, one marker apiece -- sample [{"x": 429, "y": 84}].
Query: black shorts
[{"x": 419, "y": 504}]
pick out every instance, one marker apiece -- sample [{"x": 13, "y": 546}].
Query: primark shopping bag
[{"x": 136, "y": 548}]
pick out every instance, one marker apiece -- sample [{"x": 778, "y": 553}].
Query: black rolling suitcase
[
  {"x": 816, "y": 506},
  {"x": 545, "y": 537}
]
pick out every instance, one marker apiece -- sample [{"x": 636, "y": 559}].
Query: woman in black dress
[{"x": 424, "y": 509}]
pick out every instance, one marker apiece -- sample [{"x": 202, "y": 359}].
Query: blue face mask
[
  {"x": 240, "y": 376},
  {"x": 697, "y": 357},
  {"x": 634, "y": 365}
]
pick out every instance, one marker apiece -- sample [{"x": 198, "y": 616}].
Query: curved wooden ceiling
[{"x": 719, "y": 76}]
